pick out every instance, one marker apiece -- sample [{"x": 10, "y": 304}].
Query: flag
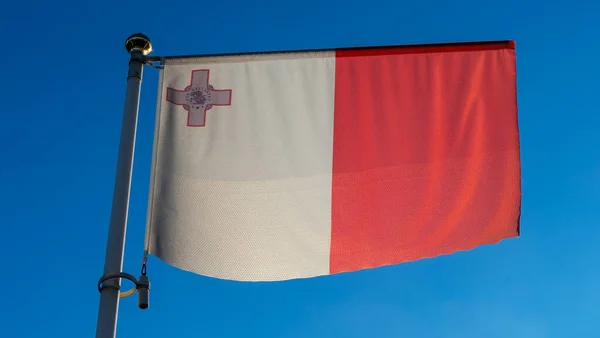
[{"x": 276, "y": 166}]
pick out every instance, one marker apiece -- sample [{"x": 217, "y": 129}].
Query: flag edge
[{"x": 423, "y": 48}]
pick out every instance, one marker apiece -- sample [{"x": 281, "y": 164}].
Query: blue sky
[{"x": 63, "y": 85}]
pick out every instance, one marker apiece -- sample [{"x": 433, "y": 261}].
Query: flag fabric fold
[{"x": 276, "y": 166}]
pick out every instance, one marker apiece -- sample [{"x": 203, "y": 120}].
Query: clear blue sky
[{"x": 62, "y": 89}]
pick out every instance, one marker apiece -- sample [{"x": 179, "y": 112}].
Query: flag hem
[
  {"x": 400, "y": 49},
  {"x": 150, "y": 211}
]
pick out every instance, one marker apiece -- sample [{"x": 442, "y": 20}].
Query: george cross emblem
[{"x": 199, "y": 97}]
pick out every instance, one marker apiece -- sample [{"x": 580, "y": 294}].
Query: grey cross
[{"x": 199, "y": 97}]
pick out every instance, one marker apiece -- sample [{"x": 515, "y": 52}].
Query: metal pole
[{"x": 138, "y": 46}]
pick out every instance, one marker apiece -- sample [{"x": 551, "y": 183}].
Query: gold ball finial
[{"x": 138, "y": 43}]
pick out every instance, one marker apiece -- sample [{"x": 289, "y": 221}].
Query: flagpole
[{"x": 138, "y": 46}]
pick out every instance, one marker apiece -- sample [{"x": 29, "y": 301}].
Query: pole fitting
[
  {"x": 143, "y": 289},
  {"x": 142, "y": 286},
  {"x": 138, "y": 43}
]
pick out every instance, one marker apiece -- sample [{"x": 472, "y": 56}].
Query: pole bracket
[
  {"x": 146, "y": 61},
  {"x": 142, "y": 286}
]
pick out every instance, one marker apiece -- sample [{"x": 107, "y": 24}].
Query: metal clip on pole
[{"x": 142, "y": 286}]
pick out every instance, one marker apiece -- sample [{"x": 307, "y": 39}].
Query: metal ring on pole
[{"x": 119, "y": 275}]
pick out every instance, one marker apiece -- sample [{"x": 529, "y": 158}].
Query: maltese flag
[{"x": 276, "y": 166}]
